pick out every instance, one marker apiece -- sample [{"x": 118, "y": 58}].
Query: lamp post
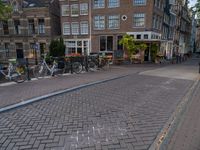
[{"x": 35, "y": 49}]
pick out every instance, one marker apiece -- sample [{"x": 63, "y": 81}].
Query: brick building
[
  {"x": 98, "y": 25},
  {"x": 30, "y": 29}
]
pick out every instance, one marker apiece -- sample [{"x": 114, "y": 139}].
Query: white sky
[{"x": 192, "y": 2}]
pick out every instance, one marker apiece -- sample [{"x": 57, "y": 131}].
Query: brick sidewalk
[
  {"x": 21, "y": 92},
  {"x": 186, "y": 136}
]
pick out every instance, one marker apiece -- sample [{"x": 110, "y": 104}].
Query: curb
[
  {"x": 36, "y": 99},
  {"x": 162, "y": 140}
]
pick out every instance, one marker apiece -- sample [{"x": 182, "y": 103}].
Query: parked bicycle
[
  {"x": 98, "y": 62},
  {"x": 43, "y": 69},
  {"x": 68, "y": 64},
  {"x": 14, "y": 72}
]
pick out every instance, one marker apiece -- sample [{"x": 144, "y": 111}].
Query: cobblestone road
[
  {"x": 124, "y": 114},
  {"x": 21, "y": 92}
]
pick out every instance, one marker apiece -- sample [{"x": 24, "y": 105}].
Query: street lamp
[{"x": 35, "y": 49}]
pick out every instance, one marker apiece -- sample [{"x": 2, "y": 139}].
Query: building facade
[
  {"x": 98, "y": 25},
  {"x": 29, "y": 31},
  {"x": 182, "y": 28}
]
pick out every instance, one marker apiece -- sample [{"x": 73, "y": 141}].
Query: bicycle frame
[
  {"x": 50, "y": 69},
  {"x": 10, "y": 69}
]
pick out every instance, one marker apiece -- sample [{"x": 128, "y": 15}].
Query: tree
[
  {"x": 5, "y": 11},
  {"x": 57, "y": 48},
  {"x": 129, "y": 43},
  {"x": 154, "y": 51}
]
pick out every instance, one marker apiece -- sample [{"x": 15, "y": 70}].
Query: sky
[{"x": 192, "y": 2}]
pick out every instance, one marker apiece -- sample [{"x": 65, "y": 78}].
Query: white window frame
[
  {"x": 139, "y": 4},
  {"x": 134, "y": 23},
  {"x": 100, "y": 19},
  {"x": 113, "y": 6},
  {"x": 66, "y": 26},
  {"x": 75, "y": 30},
  {"x": 72, "y": 7},
  {"x": 84, "y": 9},
  {"x": 98, "y": 5},
  {"x": 84, "y": 27},
  {"x": 65, "y": 8},
  {"x": 109, "y": 23}
]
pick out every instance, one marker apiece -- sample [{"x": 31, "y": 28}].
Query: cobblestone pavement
[
  {"x": 122, "y": 114},
  {"x": 20, "y": 92}
]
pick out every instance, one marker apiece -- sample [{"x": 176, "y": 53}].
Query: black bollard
[
  {"x": 27, "y": 69},
  {"x": 199, "y": 67},
  {"x": 86, "y": 63},
  {"x": 71, "y": 68}
]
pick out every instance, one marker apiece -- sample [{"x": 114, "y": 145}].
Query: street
[{"x": 125, "y": 113}]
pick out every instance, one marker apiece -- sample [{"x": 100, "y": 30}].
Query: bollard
[
  {"x": 27, "y": 69},
  {"x": 199, "y": 67},
  {"x": 86, "y": 63},
  {"x": 71, "y": 68}
]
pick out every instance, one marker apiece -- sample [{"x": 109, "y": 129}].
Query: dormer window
[{"x": 15, "y": 7}]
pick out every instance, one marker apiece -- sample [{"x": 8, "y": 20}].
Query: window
[
  {"x": 41, "y": 26},
  {"x": 75, "y": 28},
  {"x": 84, "y": 9},
  {"x": 84, "y": 27},
  {"x": 139, "y": 20},
  {"x": 31, "y": 26},
  {"x": 138, "y": 36},
  {"x": 66, "y": 28},
  {"x": 106, "y": 43},
  {"x": 77, "y": 46},
  {"x": 65, "y": 10},
  {"x": 113, "y": 22},
  {"x": 113, "y": 3},
  {"x": 5, "y": 27},
  {"x": 74, "y": 10},
  {"x": 99, "y": 22},
  {"x": 17, "y": 26},
  {"x": 7, "y": 45},
  {"x": 15, "y": 7},
  {"x": 19, "y": 50},
  {"x": 99, "y": 3},
  {"x": 119, "y": 46},
  {"x": 146, "y": 36},
  {"x": 139, "y": 2}
]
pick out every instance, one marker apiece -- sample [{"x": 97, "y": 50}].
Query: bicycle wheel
[
  {"x": 105, "y": 64},
  {"x": 39, "y": 71},
  {"x": 17, "y": 77},
  {"x": 77, "y": 67},
  {"x": 92, "y": 66}
]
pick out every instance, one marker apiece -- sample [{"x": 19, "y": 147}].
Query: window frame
[
  {"x": 115, "y": 6},
  {"x": 98, "y": 6},
  {"x": 139, "y": 4},
  {"x": 144, "y": 22},
  {"x": 62, "y": 10},
  {"x": 99, "y": 21},
  {"x": 69, "y": 28},
  {"x": 71, "y": 9},
  {"x": 82, "y": 6},
  {"x": 113, "y": 20}
]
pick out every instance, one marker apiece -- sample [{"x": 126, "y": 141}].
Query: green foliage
[
  {"x": 197, "y": 9},
  {"x": 142, "y": 46},
  {"x": 154, "y": 51},
  {"x": 131, "y": 45},
  {"x": 57, "y": 48},
  {"x": 5, "y": 11}
]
